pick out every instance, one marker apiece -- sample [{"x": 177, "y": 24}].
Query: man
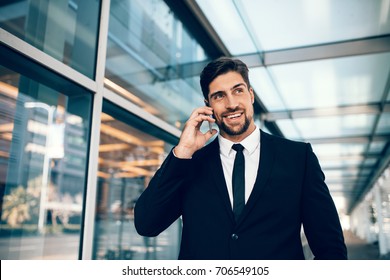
[{"x": 225, "y": 216}]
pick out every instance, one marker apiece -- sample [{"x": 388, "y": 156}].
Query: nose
[{"x": 231, "y": 102}]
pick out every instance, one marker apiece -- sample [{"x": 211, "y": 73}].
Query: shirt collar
[{"x": 250, "y": 143}]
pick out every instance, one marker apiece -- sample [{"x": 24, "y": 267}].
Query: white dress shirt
[{"x": 252, "y": 159}]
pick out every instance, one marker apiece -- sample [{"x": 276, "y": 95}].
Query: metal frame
[
  {"x": 363, "y": 46},
  {"x": 91, "y": 191},
  {"x": 48, "y": 61},
  {"x": 375, "y": 108}
]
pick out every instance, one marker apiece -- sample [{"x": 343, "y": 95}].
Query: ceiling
[{"x": 321, "y": 73}]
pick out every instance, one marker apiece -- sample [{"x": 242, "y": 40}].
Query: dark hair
[{"x": 219, "y": 67}]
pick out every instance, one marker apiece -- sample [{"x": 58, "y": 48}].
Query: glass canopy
[
  {"x": 270, "y": 25},
  {"x": 321, "y": 69}
]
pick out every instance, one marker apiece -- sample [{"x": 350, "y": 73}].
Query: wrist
[{"x": 182, "y": 152}]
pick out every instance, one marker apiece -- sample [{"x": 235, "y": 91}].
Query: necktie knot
[{"x": 238, "y": 147}]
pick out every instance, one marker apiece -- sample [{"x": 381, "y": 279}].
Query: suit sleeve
[
  {"x": 160, "y": 203},
  {"x": 320, "y": 218}
]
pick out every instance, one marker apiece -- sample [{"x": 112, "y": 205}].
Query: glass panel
[
  {"x": 44, "y": 136},
  {"x": 342, "y": 188},
  {"x": 341, "y": 173},
  {"x": 376, "y": 147},
  {"x": 348, "y": 175},
  {"x": 339, "y": 163},
  {"x": 369, "y": 162},
  {"x": 333, "y": 82},
  {"x": 383, "y": 124},
  {"x": 303, "y": 19},
  {"x": 128, "y": 158},
  {"x": 263, "y": 85},
  {"x": 338, "y": 149},
  {"x": 289, "y": 129},
  {"x": 65, "y": 29},
  {"x": 295, "y": 23},
  {"x": 347, "y": 182},
  {"x": 338, "y": 126},
  {"x": 161, "y": 80},
  {"x": 228, "y": 23},
  {"x": 365, "y": 171}
]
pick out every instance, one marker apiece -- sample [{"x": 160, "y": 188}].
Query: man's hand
[{"x": 192, "y": 139}]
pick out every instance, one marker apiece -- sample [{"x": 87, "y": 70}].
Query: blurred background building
[{"x": 94, "y": 94}]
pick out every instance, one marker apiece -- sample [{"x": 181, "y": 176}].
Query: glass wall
[
  {"x": 44, "y": 136},
  {"x": 46, "y": 140},
  {"x": 148, "y": 53},
  {"x": 65, "y": 29},
  {"x": 128, "y": 158}
]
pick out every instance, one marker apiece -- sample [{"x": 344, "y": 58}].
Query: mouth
[{"x": 233, "y": 116}]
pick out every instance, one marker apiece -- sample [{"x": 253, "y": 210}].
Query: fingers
[
  {"x": 201, "y": 111},
  {"x": 192, "y": 139},
  {"x": 197, "y": 121},
  {"x": 200, "y": 115},
  {"x": 210, "y": 133}
]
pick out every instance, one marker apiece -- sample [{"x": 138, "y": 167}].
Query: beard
[{"x": 238, "y": 131}]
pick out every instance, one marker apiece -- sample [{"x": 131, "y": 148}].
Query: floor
[{"x": 359, "y": 249}]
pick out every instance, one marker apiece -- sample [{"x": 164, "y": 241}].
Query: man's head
[
  {"x": 227, "y": 91},
  {"x": 221, "y": 66}
]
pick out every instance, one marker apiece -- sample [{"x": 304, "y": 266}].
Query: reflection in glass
[
  {"x": 42, "y": 172},
  {"x": 64, "y": 29},
  {"x": 150, "y": 57},
  {"x": 128, "y": 158}
]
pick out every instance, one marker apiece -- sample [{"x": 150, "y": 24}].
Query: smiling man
[
  {"x": 245, "y": 195},
  {"x": 232, "y": 105}
]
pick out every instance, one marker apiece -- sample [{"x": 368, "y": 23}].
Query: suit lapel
[
  {"x": 216, "y": 169},
  {"x": 267, "y": 159}
]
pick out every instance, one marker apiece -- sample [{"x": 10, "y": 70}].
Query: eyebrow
[{"x": 232, "y": 88}]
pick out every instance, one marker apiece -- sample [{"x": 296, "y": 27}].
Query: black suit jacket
[{"x": 289, "y": 192}]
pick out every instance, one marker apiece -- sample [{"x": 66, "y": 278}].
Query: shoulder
[{"x": 282, "y": 143}]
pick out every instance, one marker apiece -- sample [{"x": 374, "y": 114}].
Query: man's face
[{"x": 232, "y": 103}]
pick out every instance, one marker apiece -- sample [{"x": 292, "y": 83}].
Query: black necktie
[{"x": 238, "y": 181}]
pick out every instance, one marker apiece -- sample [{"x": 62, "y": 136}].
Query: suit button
[{"x": 234, "y": 236}]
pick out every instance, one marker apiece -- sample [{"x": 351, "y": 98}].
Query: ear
[{"x": 252, "y": 95}]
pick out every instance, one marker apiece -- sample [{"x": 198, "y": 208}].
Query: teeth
[{"x": 233, "y": 116}]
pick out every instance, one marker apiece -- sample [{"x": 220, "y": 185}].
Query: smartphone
[{"x": 210, "y": 125}]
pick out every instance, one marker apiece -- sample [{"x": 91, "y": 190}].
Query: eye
[
  {"x": 238, "y": 90},
  {"x": 217, "y": 96}
]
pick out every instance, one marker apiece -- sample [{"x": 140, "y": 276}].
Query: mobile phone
[{"x": 210, "y": 125}]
